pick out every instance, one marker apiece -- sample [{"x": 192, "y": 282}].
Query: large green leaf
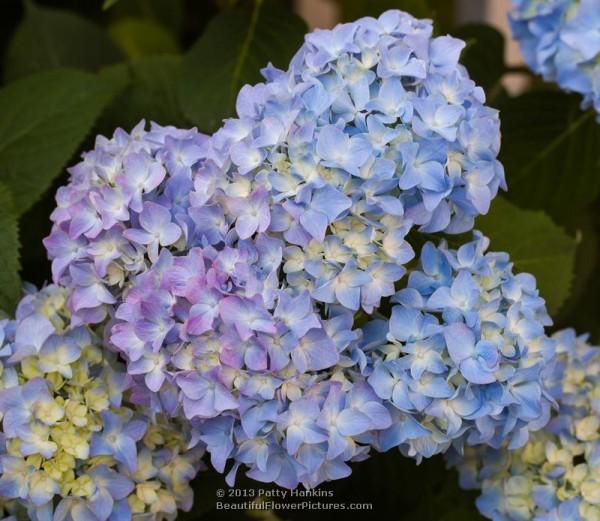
[
  {"x": 234, "y": 47},
  {"x": 151, "y": 93},
  {"x": 354, "y": 9},
  {"x": 581, "y": 309},
  {"x": 138, "y": 37},
  {"x": 584, "y": 318},
  {"x": 535, "y": 244},
  {"x": 48, "y": 38},
  {"x": 442, "y": 11},
  {"x": 171, "y": 14},
  {"x": 586, "y": 262},
  {"x": 550, "y": 150},
  {"x": 10, "y": 283},
  {"x": 107, "y": 4},
  {"x": 45, "y": 117},
  {"x": 484, "y": 54}
]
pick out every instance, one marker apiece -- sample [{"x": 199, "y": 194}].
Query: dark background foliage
[{"x": 72, "y": 69}]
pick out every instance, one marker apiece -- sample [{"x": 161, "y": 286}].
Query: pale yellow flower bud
[
  {"x": 83, "y": 486},
  {"x": 76, "y": 413},
  {"x": 587, "y": 428},
  {"x": 147, "y": 492}
]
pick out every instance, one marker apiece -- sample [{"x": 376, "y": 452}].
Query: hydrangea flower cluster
[
  {"x": 230, "y": 272},
  {"x": 271, "y": 384},
  {"x": 256, "y": 369},
  {"x": 374, "y": 129},
  {"x": 72, "y": 447},
  {"x": 464, "y": 351},
  {"x": 126, "y": 199},
  {"x": 560, "y": 39},
  {"x": 556, "y": 475}
]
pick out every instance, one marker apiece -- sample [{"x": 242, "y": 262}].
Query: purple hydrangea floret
[{"x": 125, "y": 200}]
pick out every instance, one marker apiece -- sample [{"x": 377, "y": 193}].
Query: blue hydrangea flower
[
  {"x": 374, "y": 129},
  {"x": 462, "y": 354},
  {"x": 339, "y": 157},
  {"x": 560, "y": 39},
  {"x": 556, "y": 474},
  {"x": 74, "y": 445}
]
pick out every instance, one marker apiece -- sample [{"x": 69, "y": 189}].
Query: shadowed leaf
[
  {"x": 138, "y": 37},
  {"x": 484, "y": 54},
  {"x": 550, "y": 152},
  {"x": 234, "y": 47},
  {"x": 10, "y": 283},
  {"x": 45, "y": 117},
  {"x": 535, "y": 244},
  {"x": 49, "y": 38}
]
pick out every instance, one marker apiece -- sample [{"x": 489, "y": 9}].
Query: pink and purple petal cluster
[
  {"x": 264, "y": 379},
  {"x": 374, "y": 129},
  {"x": 125, "y": 200}
]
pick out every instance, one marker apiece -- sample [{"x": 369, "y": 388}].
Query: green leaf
[
  {"x": 234, "y": 47},
  {"x": 151, "y": 94},
  {"x": 585, "y": 261},
  {"x": 484, "y": 54},
  {"x": 581, "y": 309},
  {"x": 170, "y": 14},
  {"x": 138, "y": 37},
  {"x": 354, "y": 9},
  {"x": 584, "y": 319},
  {"x": 550, "y": 153},
  {"x": 10, "y": 282},
  {"x": 583, "y": 314},
  {"x": 49, "y": 38},
  {"x": 107, "y": 4},
  {"x": 45, "y": 117},
  {"x": 442, "y": 11},
  {"x": 536, "y": 245}
]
